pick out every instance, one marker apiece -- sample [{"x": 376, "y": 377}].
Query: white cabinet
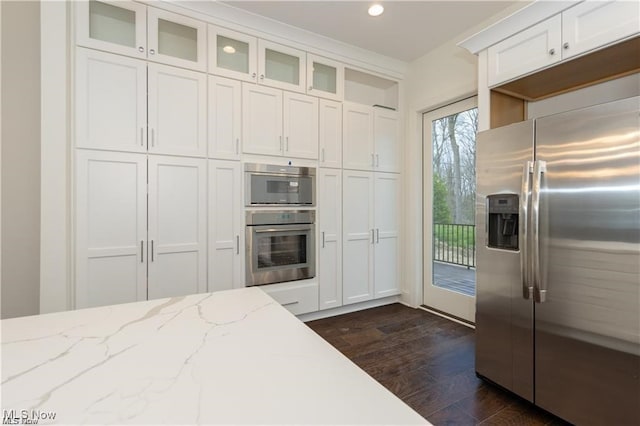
[
  {"x": 330, "y": 133},
  {"x": 261, "y": 120},
  {"x": 357, "y": 137},
  {"x": 225, "y": 118},
  {"x": 281, "y": 66},
  {"x": 279, "y": 124},
  {"x": 534, "y": 48},
  {"x": 588, "y": 25},
  {"x": 371, "y": 138},
  {"x": 386, "y": 136},
  {"x": 177, "y": 223},
  {"x": 325, "y": 78},
  {"x": 233, "y": 54},
  {"x": 130, "y": 28},
  {"x": 125, "y": 104},
  {"x": 592, "y": 24},
  {"x": 226, "y": 226},
  {"x": 300, "y": 120},
  {"x": 177, "y": 111},
  {"x": 330, "y": 238},
  {"x": 110, "y": 102},
  {"x": 370, "y": 235},
  {"x": 111, "y": 228},
  {"x": 297, "y": 297}
]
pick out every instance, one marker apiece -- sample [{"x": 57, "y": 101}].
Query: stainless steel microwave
[{"x": 272, "y": 185}]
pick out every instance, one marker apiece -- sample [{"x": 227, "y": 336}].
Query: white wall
[
  {"x": 444, "y": 75},
  {"x": 20, "y": 158}
]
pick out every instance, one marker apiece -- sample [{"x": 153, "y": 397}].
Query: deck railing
[{"x": 454, "y": 243}]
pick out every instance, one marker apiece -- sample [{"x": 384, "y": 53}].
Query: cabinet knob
[
  {"x": 261, "y": 76},
  {"x": 552, "y": 52},
  {"x": 310, "y": 88},
  {"x": 140, "y": 49},
  {"x": 253, "y": 75},
  {"x": 566, "y": 45},
  {"x": 151, "y": 51}
]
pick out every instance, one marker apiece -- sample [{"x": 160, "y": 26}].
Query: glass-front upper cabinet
[
  {"x": 325, "y": 78},
  {"x": 176, "y": 40},
  {"x": 281, "y": 66},
  {"x": 115, "y": 26},
  {"x": 232, "y": 54},
  {"x": 133, "y": 29}
]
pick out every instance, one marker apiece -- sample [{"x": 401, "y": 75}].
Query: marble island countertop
[{"x": 232, "y": 357}]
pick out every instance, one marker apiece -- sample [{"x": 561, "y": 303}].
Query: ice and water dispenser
[{"x": 503, "y": 221}]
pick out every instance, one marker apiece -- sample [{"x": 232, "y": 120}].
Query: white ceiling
[{"x": 406, "y": 30}]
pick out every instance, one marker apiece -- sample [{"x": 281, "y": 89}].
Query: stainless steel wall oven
[
  {"x": 280, "y": 246},
  {"x": 271, "y": 185}
]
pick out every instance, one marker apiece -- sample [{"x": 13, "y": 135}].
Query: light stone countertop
[{"x": 232, "y": 357}]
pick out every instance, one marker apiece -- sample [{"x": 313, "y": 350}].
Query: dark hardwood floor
[{"x": 428, "y": 362}]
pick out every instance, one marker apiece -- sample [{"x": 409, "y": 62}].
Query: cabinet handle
[
  {"x": 280, "y": 143},
  {"x": 552, "y": 52},
  {"x": 151, "y": 51},
  {"x": 237, "y": 244},
  {"x": 153, "y": 137},
  {"x": 373, "y": 237},
  {"x": 141, "y": 251},
  {"x": 287, "y": 144},
  {"x": 372, "y": 161},
  {"x": 322, "y": 155},
  {"x": 377, "y": 160},
  {"x": 322, "y": 239},
  {"x": 152, "y": 254},
  {"x": 237, "y": 146},
  {"x": 140, "y": 49},
  {"x": 291, "y": 303},
  {"x": 566, "y": 45},
  {"x": 141, "y": 136},
  {"x": 378, "y": 235}
]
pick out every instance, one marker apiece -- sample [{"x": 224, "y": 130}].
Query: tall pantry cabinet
[{"x": 140, "y": 217}]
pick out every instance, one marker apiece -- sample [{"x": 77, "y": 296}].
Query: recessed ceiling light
[
  {"x": 229, "y": 49},
  {"x": 376, "y": 10}
]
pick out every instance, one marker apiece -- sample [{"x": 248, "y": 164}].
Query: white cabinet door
[
  {"x": 226, "y": 233},
  {"x": 330, "y": 133},
  {"x": 281, "y": 66},
  {"x": 176, "y": 39},
  {"x": 177, "y": 111},
  {"x": 111, "y": 101},
  {"x": 357, "y": 137},
  {"x": 357, "y": 236},
  {"x": 115, "y": 26},
  {"x": 225, "y": 118},
  {"x": 534, "y": 48},
  {"x": 177, "y": 226},
  {"x": 593, "y": 24},
  {"x": 386, "y": 134},
  {"x": 330, "y": 238},
  {"x": 111, "y": 228},
  {"x": 300, "y": 126},
  {"x": 261, "y": 120},
  {"x": 325, "y": 78},
  {"x": 233, "y": 54},
  {"x": 387, "y": 232}
]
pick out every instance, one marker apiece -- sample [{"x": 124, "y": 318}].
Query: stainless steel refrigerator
[{"x": 558, "y": 262}]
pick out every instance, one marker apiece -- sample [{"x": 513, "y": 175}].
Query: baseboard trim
[
  {"x": 347, "y": 309},
  {"x": 447, "y": 316}
]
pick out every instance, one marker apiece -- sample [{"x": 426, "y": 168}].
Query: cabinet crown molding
[{"x": 520, "y": 20}]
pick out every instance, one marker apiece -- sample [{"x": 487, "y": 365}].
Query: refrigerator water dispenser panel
[{"x": 502, "y": 226}]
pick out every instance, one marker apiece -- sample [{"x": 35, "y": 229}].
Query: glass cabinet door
[
  {"x": 325, "y": 78},
  {"x": 115, "y": 26},
  {"x": 281, "y": 66},
  {"x": 232, "y": 54},
  {"x": 176, "y": 40}
]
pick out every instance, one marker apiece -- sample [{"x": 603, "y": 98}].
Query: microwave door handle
[{"x": 525, "y": 269}]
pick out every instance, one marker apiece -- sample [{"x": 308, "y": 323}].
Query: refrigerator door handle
[
  {"x": 539, "y": 283},
  {"x": 525, "y": 268}
]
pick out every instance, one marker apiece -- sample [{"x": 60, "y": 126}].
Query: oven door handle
[{"x": 261, "y": 231}]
